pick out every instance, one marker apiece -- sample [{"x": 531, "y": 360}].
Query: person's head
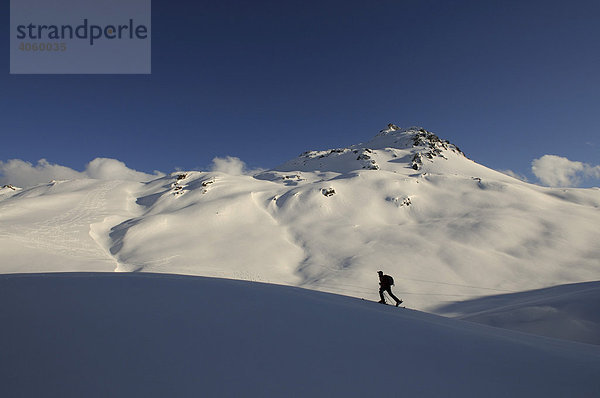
[{"x": 380, "y": 273}]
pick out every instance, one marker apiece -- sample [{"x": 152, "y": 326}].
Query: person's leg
[
  {"x": 381, "y": 295},
  {"x": 389, "y": 290}
]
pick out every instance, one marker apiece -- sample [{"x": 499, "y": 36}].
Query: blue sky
[{"x": 506, "y": 81}]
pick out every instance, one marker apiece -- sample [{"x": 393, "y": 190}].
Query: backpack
[{"x": 389, "y": 280}]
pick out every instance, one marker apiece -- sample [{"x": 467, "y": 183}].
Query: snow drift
[{"x": 569, "y": 312}]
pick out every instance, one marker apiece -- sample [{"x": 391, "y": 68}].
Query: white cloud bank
[
  {"x": 557, "y": 171},
  {"x": 232, "y": 165},
  {"x": 24, "y": 174}
]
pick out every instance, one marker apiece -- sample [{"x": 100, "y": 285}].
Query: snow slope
[
  {"x": 406, "y": 202},
  {"x": 124, "y": 335},
  {"x": 570, "y": 312},
  {"x": 52, "y": 225}
]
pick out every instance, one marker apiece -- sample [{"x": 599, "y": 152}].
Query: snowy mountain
[
  {"x": 406, "y": 202},
  {"x": 140, "y": 335}
]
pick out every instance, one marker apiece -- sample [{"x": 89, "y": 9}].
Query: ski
[{"x": 378, "y": 302}]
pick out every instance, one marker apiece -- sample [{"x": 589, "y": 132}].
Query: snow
[
  {"x": 50, "y": 225},
  {"x": 406, "y": 202},
  {"x": 461, "y": 240},
  {"x": 7, "y": 191},
  {"x": 570, "y": 312},
  {"x": 135, "y": 334}
]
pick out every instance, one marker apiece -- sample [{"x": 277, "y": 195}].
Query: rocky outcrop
[
  {"x": 432, "y": 145},
  {"x": 328, "y": 191}
]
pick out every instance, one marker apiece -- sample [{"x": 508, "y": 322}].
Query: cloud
[
  {"x": 557, "y": 171},
  {"x": 514, "y": 175},
  {"x": 232, "y": 165},
  {"x": 112, "y": 169},
  {"x": 24, "y": 174}
]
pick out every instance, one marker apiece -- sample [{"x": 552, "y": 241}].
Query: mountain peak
[
  {"x": 414, "y": 144},
  {"x": 390, "y": 127},
  {"x": 405, "y": 138}
]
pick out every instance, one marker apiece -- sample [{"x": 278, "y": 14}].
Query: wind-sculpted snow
[
  {"x": 140, "y": 335},
  {"x": 406, "y": 202},
  {"x": 570, "y": 312}
]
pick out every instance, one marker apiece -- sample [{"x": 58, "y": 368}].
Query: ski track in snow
[{"x": 63, "y": 233}]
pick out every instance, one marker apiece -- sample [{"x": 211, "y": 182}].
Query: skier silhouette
[{"x": 385, "y": 285}]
